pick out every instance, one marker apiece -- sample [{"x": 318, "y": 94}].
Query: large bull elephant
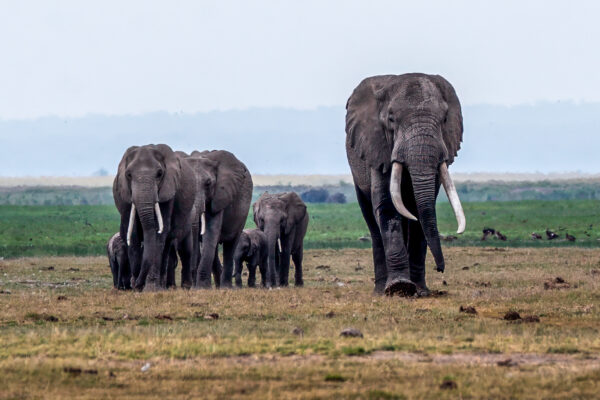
[
  {"x": 223, "y": 196},
  {"x": 284, "y": 219},
  {"x": 402, "y": 132},
  {"x": 154, "y": 191}
]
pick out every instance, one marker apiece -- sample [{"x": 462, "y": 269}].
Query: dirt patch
[
  {"x": 467, "y": 310},
  {"x": 556, "y": 283}
]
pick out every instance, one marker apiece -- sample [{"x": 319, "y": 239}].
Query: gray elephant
[
  {"x": 402, "y": 132},
  {"x": 222, "y": 202},
  {"x": 154, "y": 191},
  {"x": 284, "y": 219},
  {"x": 116, "y": 249},
  {"x": 252, "y": 249}
]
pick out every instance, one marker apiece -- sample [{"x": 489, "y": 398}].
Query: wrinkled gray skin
[
  {"x": 116, "y": 250},
  {"x": 252, "y": 249},
  {"x": 282, "y": 216},
  {"x": 223, "y": 194},
  {"x": 147, "y": 175},
  {"x": 415, "y": 120}
]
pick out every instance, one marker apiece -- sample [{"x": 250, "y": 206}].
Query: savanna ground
[{"x": 64, "y": 333}]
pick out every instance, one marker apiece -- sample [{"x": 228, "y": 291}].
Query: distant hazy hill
[{"x": 542, "y": 137}]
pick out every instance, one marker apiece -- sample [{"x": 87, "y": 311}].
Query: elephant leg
[
  {"x": 210, "y": 242},
  {"x": 379, "y": 264},
  {"x": 417, "y": 251},
  {"x": 297, "y": 258},
  {"x": 171, "y": 265},
  {"x": 262, "y": 266},
  {"x": 123, "y": 271},
  {"x": 217, "y": 269},
  {"x": 188, "y": 273},
  {"x": 187, "y": 255},
  {"x": 284, "y": 261},
  {"x": 251, "y": 274},
  {"x": 390, "y": 226},
  {"x": 227, "y": 274},
  {"x": 238, "y": 265}
]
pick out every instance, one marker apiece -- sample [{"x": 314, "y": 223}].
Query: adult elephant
[
  {"x": 284, "y": 219},
  {"x": 154, "y": 191},
  {"x": 402, "y": 132},
  {"x": 222, "y": 203}
]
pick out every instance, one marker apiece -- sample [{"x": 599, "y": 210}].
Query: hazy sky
[{"x": 76, "y": 57}]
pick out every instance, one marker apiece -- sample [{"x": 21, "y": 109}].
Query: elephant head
[
  {"x": 277, "y": 215},
  {"x": 147, "y": 183},
  {"x": 412, "y": 125}
]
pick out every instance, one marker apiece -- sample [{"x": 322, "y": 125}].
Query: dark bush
[
  {"x": 315, "y": 196},
  {"x": 339, "y": 198}
]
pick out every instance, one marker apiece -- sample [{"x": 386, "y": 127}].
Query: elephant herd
[
  {"x": 174, "y": 204},
  {"x": 402, "y": 133}
]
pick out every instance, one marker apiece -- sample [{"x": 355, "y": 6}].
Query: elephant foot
[
  {"x": 299, "y": 283},
  {"x": 423, "y": 291},
  {"x": 152, "y": 287},
  {"x": 400, "y": 286},
  {"x": 186, "y": 285},
  {"x": 203, "y": 284},
  {"x": 226, "y": 285}
]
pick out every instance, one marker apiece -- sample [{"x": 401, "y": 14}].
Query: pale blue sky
[{"x": 71, "y": 58}]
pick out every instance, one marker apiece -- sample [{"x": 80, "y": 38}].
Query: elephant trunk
[
  {"x": 424, "y": 187},
  {"x": 274, "y": 243},
  {"x": 144, "y": 194}
]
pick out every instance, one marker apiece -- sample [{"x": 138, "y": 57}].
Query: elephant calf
[
  {"x": 119, "y": 262},
  {"x": 252, "y": 248}
]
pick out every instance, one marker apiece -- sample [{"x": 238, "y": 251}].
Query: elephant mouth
[
  {"x": 132, "y": 216},
  {"x": 449, "y": 188}
]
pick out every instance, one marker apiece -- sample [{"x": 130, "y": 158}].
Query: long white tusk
[
  {"x": 396, "y": 191},
  {"x": 131, "y": 222},
  {"x": 453, "y": 197},
  {"x": 202, "y": 224},
  {"x": 158, "y": 217},
  {"x": 279, "y": 244}
]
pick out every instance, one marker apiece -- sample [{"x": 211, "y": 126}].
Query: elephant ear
[
  {"x": 255, "y": 211},
  {"x": 121, "y": 189},
  {"x": 452, "y": 129},
  {"x": 229, "y": 179},
  {"x": 171, "y": 180},
  {"x": 365, "y": 131},
  {"x": 296, "y": 209}
]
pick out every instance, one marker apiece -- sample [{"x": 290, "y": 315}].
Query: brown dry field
[{"x": 64, "y": 333}]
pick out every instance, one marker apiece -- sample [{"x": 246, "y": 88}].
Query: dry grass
[{"x": 65, "y": 333}]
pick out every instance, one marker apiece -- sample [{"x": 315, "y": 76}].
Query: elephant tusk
[
  {"x": 158, "y": 217},
  {"x": 396, "y": 191},
  {"x": 202, "y": 224},
  {"x": 453, "y": 197},
  {"x": 131, "y": 222},
  {"x": 279, "y": 244}
]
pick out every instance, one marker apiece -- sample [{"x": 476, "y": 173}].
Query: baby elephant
[
  {"x": 119, "y": 262},
  {"x": 251, "y": 248}
]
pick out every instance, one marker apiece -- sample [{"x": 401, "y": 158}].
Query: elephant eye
[
  {"x": 391, "y": 119},
  {"x": 128, "y": 174},
  {"x": 159, "y": 173}
]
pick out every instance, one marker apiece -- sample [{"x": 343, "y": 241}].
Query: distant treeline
[{"x": 468, "y": 191}]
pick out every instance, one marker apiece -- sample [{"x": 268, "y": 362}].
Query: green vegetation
[
  {"x": 468, "y": 191},
  {"x": 84, "y": 230}
]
